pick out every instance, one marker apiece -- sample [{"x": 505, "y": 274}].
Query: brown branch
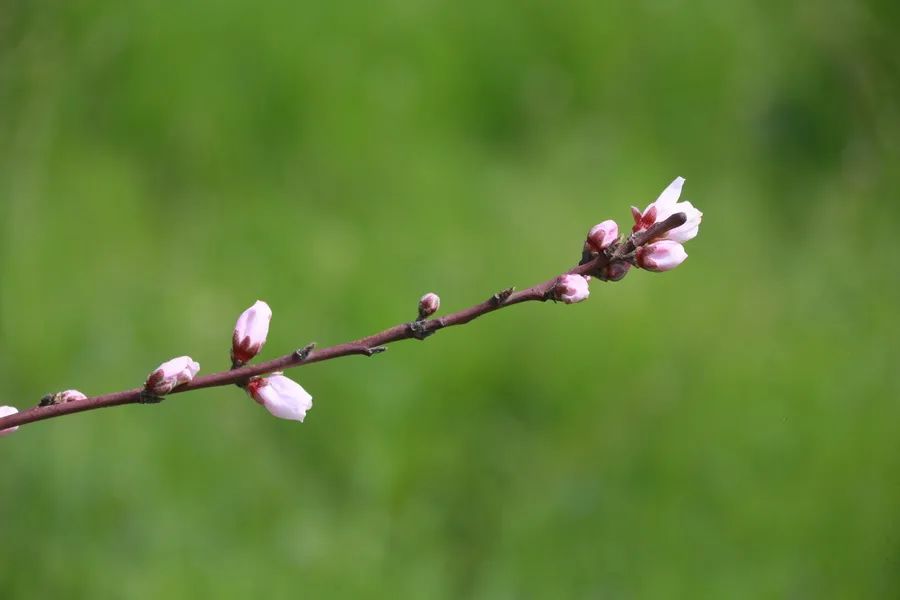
[
  {"x": 367, "y": 346},
  {"x": 654, "y": 231}
]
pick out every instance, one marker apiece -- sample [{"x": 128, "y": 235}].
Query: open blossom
[
  {"x": 571, "y": 289},
  {"x": 665, "y": 206},
  {"x": 5, "y": 411},
  {"x": 171, "y": 374},
  {"x": 602, "y": 235},
  {"x": 663, "y": 255},
  {"x": 283, "y": 397},
  {"x": 250, "y": 332},
  {"x": 428, "y": 304}
]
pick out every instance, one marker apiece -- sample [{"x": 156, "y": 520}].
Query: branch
[{"x": 619, "y": 253}]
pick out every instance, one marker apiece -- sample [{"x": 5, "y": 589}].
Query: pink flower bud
[
  {"x": 571, "y": 289},
  {"x": 62, "y": 397},
  {"x": 70, "y": 396},
  {"x": 283, "y": 397},
  {"x": 602, "y": 235},
  {"x": 665, "y": 206},
  {"x": 663, "y": 255},
  {"x": 171, "y": 374},
  {"x": 5, "y": 411},
  {"x": 428, "y": 304},
  {"x": 250, "y": 332}
]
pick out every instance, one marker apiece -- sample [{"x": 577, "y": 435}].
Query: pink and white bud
[
  {"x": 602, "y": 235},
  {"x": 663, "y": 255},
  {"x": 5, "y": 411},
  {"x": 62, "y": 397},
  {"x": 429, "y": 304},
  {"x": 70, "y": 396},
  {"x": 250, "y": 332},
  {"x": 665, "y": 206},
  {"x": 283, "y": 397},
  {"x": 571, "y": 289},
  {"x": 171, "y": 374}
]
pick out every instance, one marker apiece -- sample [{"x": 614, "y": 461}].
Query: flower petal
[{"x": 669, "y": 195}]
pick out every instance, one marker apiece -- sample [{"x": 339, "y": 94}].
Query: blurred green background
[{"x": 727, "y": 430}]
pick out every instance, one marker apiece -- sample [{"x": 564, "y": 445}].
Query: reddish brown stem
[{"x": 366, "y": 346}]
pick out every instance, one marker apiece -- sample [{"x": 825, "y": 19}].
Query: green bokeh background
[{"x": 727, "y": 430}]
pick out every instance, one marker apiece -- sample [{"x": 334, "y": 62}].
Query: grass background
[{"x": 728, "y": 430}]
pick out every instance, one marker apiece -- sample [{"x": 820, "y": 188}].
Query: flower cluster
[
  {"x": 659, "y": 253},
  {"x": 281, "y": 396}
]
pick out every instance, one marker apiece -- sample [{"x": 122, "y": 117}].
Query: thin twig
[{"x": 367, "y": 346}]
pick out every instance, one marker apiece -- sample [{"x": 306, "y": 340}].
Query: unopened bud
[
  {"x": 429, "y": 304},
  {"x": 571, "y": 289},
  {"x": 602, "y": 235},
  {"x": 171, "y": 374},
  {"x": 250, "y": 332},
  {"x": 616, "y": 270},
  {"x": 5, "y": 411},
  {"x": 282, "y": 396},
  {"x": 62, "y": 397},
  {"x": 663, "y": 255}
]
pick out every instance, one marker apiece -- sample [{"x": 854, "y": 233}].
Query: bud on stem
[
  {"x": 282, "y": 396},
  {"x": 602, "y": 235},
  {"x": 250, "y": 333},
  {"x": 170, "y": 375},
  {"x": 62, "y": 397},
  {"x": 428, "y": 305},
  {"x": 663, "y": 255},
  {"x": 571, "y": 289}
]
